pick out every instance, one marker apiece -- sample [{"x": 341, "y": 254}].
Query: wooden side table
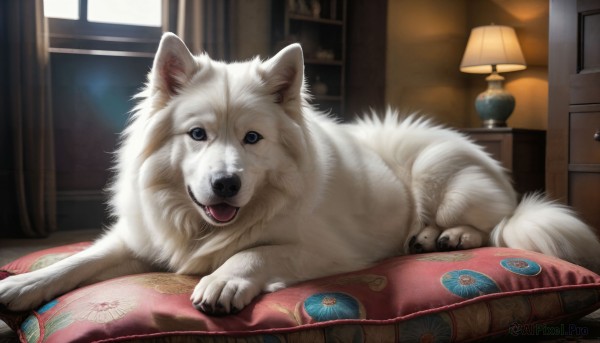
[{"x": 521, "y": 151}]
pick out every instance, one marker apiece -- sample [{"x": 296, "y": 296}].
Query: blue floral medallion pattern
[
  {"x": 331, "y": 306},
  {"x": 468, "y": 284},
  {"x": 521, "y": 266}
]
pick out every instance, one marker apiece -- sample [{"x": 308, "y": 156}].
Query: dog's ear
[
  {"x": 173, "y": 65},
  {"x": 284, "y": 74}
]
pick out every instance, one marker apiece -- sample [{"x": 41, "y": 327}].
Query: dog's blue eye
[
  {"x": 252, "y": 137},
  {"x": 198, "y": 134}
]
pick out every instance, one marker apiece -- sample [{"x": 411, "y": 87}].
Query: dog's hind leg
[
  {"x": 473, "y": 204},
  {"x": 107, "y": 257}
]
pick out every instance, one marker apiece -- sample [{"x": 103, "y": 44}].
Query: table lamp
[{"x": 493, "y": 49}]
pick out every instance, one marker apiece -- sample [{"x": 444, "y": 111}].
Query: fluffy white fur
[{"x": 314, "y": 197}]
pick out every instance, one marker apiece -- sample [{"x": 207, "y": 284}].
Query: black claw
[
  {"x": 216, "y": 311},
  {"x": 204, "y": 307},
  {"x": 220, "y": 310},
  {"x": 412, "y": 241},
  {"x": 414, "y": 247},
  {"x": 443, "y": 244},
  {"x": 418, "y": 247},
  {"x": 460, "y": 245}
]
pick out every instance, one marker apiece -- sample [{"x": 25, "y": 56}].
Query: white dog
[{"x": 226, "y": 171}]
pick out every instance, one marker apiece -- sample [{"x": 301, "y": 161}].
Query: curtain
[
  {"x": 208, "y": 26},
  {"x": 27, "y": 152}
]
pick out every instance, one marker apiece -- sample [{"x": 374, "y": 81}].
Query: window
[
  {"x": 62, "y": 9},
  {"x": 130, "y": 12},
  {"x": 106, "y": 27}
]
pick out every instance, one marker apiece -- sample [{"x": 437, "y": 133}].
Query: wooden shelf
[
  {"x": 317, "y": 61},
  {"x": 319, "y": 36},
  {"x": 327, "y": 97},
  {"x": 323, "y": 62},
  {"x": 316, "y": 20}
]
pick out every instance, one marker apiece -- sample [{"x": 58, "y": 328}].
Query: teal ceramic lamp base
[{"x": 495, "y": 105}]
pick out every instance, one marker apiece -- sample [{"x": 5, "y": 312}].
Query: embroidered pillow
[{"x": 455, "y": 296}]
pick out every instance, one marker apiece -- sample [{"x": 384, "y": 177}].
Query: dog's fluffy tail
[{"x": 550, "y": 228}]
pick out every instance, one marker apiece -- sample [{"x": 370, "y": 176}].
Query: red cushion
[{"x": 449, "y": 296}]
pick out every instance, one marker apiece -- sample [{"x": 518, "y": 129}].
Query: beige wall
[
  {"x": 424, "y": 49},
  {"x": 426, "y": 40}
]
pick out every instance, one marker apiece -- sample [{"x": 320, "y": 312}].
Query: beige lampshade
[{"x": 492, "y": 45}]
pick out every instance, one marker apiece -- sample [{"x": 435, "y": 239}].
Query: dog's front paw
[
  {"x": 424, "y": 241},
  {"x": 223, "y": 294},
  {"x": 460, "y": 238},
  {"x": 23, "y": 292}
]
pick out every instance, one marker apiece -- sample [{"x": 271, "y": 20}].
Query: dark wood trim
[
  {"x": 573, "y": 172},
  {"x": 562, "y": 62},
  {"x": 586, "y": 168},
  {"x": 584, "y": 108},
  {"x": 502, "y": 130}
]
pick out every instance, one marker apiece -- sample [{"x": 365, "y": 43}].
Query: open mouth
[{"x": 222, "y": 213}]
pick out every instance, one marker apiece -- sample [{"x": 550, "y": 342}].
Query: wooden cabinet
[
  {"x": 320, "y": 26},
  {"x": 520, "y": 151},
  {"x": 573, "y": 164},
  {"x": 584, "y": 138}
]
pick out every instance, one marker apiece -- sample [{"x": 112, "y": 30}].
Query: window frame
[{"x": 81, "y": 36}]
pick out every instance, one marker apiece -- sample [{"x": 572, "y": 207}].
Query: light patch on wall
[
  {"x": 445, "y": 104},
  {"x": 523, "y": 10},
  {"x": 425, "y": 43},
  {"x": 531, "y": 96}
]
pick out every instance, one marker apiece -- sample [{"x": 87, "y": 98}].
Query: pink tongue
[{"x": 222, "y": 212}]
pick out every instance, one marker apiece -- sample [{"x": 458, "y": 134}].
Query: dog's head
[{"x": 229, "y": 137}]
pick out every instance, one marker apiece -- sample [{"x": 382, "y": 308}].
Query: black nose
[{"x": 226, "y": 186}]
